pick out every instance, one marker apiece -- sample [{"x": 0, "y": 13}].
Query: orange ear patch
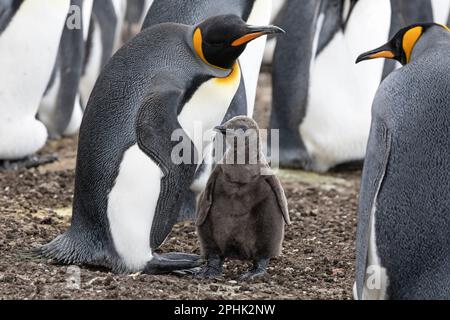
[
  {"x": 409, "y": 41},
  {"x": 246, "y": 38}
]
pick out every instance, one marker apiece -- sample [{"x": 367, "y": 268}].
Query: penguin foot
[
  {"x": 212, "y": 269},
  {"x": 182, "y": 256},
  {"x": 170, "y": 262},
  {"x": 252, "y": 275},
  {"x": 27, "y": 163},
  {"x": 209, "y": 272},
  {"x": 294, "y": 159},
  {"x": 259, "y": 270}
]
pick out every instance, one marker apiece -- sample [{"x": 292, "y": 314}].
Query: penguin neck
[{"x": 436, "y": 36}]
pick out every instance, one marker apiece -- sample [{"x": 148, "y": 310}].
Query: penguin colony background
[{"x": 125, "y": 75}]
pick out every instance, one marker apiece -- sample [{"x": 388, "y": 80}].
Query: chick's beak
[
  {"x": 221, "y": 129},
  {"x": 256, "y": 32}
]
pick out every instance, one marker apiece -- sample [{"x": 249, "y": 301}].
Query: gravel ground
[{"x": 317, "y": 260}]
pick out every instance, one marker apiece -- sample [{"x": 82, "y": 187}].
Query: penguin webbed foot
[
  {"x": 27, "y": 163},
  {"x": 171, "y": 262},
  {"x": 212, "y": 269},
  {"x": 259, "y": 270},
  {"x": 295, "y": 159}
]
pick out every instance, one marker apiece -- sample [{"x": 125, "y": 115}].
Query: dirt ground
[{"x": 317, "y": 260}]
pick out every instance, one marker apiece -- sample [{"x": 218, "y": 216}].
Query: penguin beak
[
  {"x": 221, "y": 129},
  {"x": 254, "y": 32},
  {"x": 382, "y": 52}
]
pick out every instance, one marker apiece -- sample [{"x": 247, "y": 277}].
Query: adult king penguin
[
  {"x": 192, "y": 12},
  {"x": 321, "y": 101},
  {"x": 403, "y": 238},
  {"x": 128, "y": 190},
  {"x": 30, "y": 32}
]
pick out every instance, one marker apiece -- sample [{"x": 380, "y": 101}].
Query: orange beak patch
[
  {"x": 247, "y": 38},
  {"x": 383, "y": 54}
]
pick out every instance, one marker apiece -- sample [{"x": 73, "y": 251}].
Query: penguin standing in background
[
  {"x": 192, "y": 12},
  {"x": 129, "y": 189},
  {"x": 441, "y": 11},
  {"x": 60, "y": 108},
  {"x": 403, "y": 236},
  {"x": 104, "y": 38},
  {"x": 321, "y": 100},
  {"x": 277, "y": 14},
  {"x": 30, "y": 32},
  {"x": 134, "y": 17},
  {"x": 320, "y": 129},
  {"x": 243, "y": 211}
]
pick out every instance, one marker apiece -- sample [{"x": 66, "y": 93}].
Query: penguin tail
[{"x": 64, "y": 250}]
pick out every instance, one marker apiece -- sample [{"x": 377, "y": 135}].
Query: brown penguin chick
[{"x": 243, "y": 210}]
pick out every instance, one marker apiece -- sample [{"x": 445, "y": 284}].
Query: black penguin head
[
  {"x": 239, "y": 125},
  {"x": 220, "y": 40},
  {"x": 243, "y": 128},
  {"x": 400, "y": 47},
  {"x": 242, "y": 139}
]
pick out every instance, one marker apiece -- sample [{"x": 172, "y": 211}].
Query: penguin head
[
  {"x": 401, "y": 46},
  {"x": 240, "y": 127},
  {"x": 220, "y": 40}
]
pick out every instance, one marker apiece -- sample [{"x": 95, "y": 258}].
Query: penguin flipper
[
  {"x": 71, "y": 53},
  {"x": 375, "y": 167},
  {"x": 275, "y": 184},
  {"x": 156, "y": 124},
  {"x": 206, "y": 199}
]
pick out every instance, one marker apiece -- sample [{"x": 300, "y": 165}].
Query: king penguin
[
  {"x": 128, "y": 188},
  {"x": 192, "y": 12},
  {"x": 320, "y": 102},
  {"x": 30, "y": 32},
  {"x": 403, "y": 236},
  {"x": 60, "y": 109}
]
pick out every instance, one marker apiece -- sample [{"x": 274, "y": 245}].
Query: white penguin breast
[
  {"x": 252, "y": 57},
  {"x": 337, "y": 122},
  {"x": 441, "y": 11},
  {"x": 207, "y": 109},
  {"x": 87, "y": 12},
  {"x": 131, "y": 207}
]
